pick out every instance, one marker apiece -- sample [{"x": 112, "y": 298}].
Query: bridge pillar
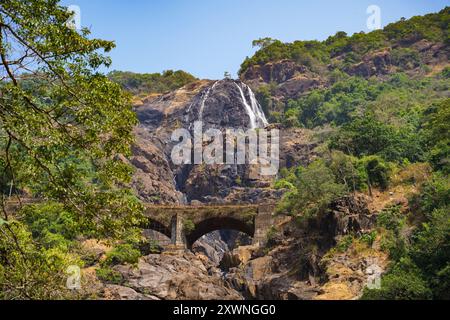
[
  {"x": 178, "y": 240},
  {"x": 263, "y": 222}
]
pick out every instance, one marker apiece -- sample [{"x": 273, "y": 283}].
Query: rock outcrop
[
  {"x": 299, "y": 262},
  {"x": 171, "y": 277},
  {"x": 291, "y": 78},
  {"x": 292, "y": 266},
  {"x": 221, "y": 104}
]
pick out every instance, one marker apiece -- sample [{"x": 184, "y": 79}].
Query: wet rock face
[
  {"x": 224, "y": 104},
  {"x": 172, "y": 277},
  {"x": 153, "y": 178}
]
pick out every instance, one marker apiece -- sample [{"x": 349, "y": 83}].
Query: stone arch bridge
[{"x": 186, "y": 224}]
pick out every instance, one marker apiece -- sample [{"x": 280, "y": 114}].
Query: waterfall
[
  {"x": 249, "y": 110},
  {"x": 204, "y": 98},
  {"x": 252, "y": 107},
  {"x": 261, "y": 117},
  {"x": 254, "y": 111}
]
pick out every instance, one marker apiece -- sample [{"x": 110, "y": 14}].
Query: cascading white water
[
  {"x": 254, "y": 111},
  {"x": 204, "y": 98},
  {"x": 260, "y": 116},
  {"x": 252, "y": 108},
  {"x": 249, "y": 110}
]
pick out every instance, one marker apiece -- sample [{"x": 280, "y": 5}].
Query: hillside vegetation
[
  {"x": 317, "y": 55},
  {"x": 379, "y": 103},
  {"x": 148, "y": 83}
]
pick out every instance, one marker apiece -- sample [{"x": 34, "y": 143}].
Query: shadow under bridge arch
[{"x": 219, "y": 223}]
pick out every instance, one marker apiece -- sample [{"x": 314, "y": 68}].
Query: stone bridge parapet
[{"x": 186, "y": 224}]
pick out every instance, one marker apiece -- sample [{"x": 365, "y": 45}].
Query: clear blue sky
[{"x": 208, "y": 37}]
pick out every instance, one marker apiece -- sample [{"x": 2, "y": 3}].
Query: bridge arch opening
[
  {"x": 156, "y": 230},
  {"x": 217, "y": 244},
  {"x": 218, "y": 223},
  {"x": 157, "y": 240}
]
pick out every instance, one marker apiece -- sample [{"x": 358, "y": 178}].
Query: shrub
[
  {"x": 146, "y": 83},
  {"x": 376, "y": 171},
  {"x": 434, "y": 194},
  {"x": 270, "y": 236},
  {"x": 30, "y": 273},
  {"x": 283, "y": 184},
  {"x": 188, "y": 225},
  {"x": 369, "y": 238},
  {"x": 405, "y": 58},
  {"x": 315, "y": 189},
  {"x": 109, "y": 275},
  {"x": 345, "y": 170},
  {"x": 50, "y": 217},
  {"x": 344, "y": 243},
  {"x": 430, "y": 251},
  {"x": 446, "y": 72},
  {"x": 393, "y": 242},
  {"x": 123, "y": 253},
  {"x": 415, "y": 173},
  {"x": 437, "y": 132},
  {"x": 403, "y": 282}
]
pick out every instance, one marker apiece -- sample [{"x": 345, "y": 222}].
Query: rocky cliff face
[
  {"x": 289, "y": 79},
  {"x": 292, "y": 266},
  {"x": 218, "y": 104},
  {"x": 296, "y": 264}
]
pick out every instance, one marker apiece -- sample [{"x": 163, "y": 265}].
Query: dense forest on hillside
[
  {"x": 317, "y": 55},
  {"x": 148, "y": 83},
  {"x": 377, "y": 131}
]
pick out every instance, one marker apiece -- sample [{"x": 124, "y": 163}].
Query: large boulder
[{"x": 173, "y": 277}]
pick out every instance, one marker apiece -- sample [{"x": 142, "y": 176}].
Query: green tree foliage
[
  {"x": 437, "y": 134},
  {"x": 369, "y": 128},
  {"x": 123, "y": 253},
  {"x": 403, "y": 282},
  {"x": 147, "y": 83},
  {"x": 368, "y": 136},
  {"x": 420, "y": 263},
  {"x": 435, "y": 194},
  {"x": 398, "y": 101},
  {"x": 346, "y": 170},
  {"x": 431, "y": 251},
  {"x": 264, "y": 97},
  {"x": 406, "y": 58},
  {"x": 64, "y": 129},
  {"x": 29, "y": 270},
  {"x": 109, "y": 275},
  {"x": 433, "y": 27},
  {"x": 375, "y": 171},
  {"x": 315, "y": 189}
]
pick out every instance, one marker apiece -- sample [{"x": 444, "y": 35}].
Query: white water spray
[
  {"x": 204, "y": 98},
  {"x": 249, "y": 110},
  {"x": 252, "y": 107},
  {"x": 257, "y": 110},
  {"x": 256, "y": 115}
]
